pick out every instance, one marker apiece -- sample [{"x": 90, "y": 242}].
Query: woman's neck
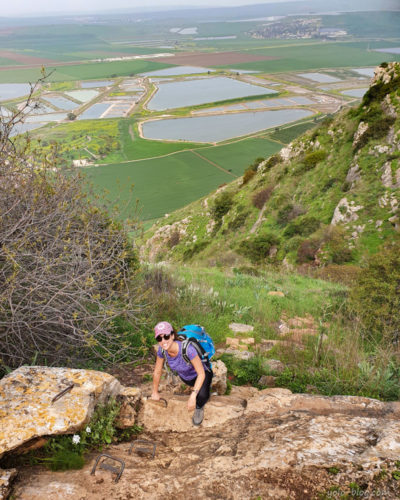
[{"x": 174, "y": 349}]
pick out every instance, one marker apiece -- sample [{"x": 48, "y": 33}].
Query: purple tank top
[{"x": 178, "y": 364}]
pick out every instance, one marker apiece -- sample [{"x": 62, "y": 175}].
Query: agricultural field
[{"x": 101, "y": 123}]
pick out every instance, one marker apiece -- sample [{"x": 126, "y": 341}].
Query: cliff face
[{"x": 331, "y": 196}]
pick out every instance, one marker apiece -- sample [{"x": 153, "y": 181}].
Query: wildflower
[
  {"x": 88, "y": 430},
  {"x": 76, "y": 439}
]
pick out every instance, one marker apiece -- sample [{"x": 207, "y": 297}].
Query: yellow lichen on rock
[{"x": 28, "y": 408}]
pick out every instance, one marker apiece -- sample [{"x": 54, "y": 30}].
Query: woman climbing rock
[{"x": 195, "y": 373}]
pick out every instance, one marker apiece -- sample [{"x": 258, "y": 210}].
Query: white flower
[
  {"x": 88, "y": 430},
  {"x": 76, "y": 439}
]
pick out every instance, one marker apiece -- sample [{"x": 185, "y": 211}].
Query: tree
[{"x": 67, "y": 269}]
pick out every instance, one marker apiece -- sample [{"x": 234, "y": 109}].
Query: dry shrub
[
  {"x": 346, "y": 275},
  {"x": 308, "y": 251},
  {"x": 174, "y": 239},
  {"x": 262, "y": 196},
  {"x": 247, "y": 176},
  {"x": 67, "y": 270}
]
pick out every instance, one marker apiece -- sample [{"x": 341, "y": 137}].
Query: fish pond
[
  {"x": 90, "y": 85},
  {"x": 320, "y": 77},
  {"x": 83, "y": 95},
  {"x": 194, "y": 92},
  {"x": 94, "y": 111},
  {"x": 178, "y": 70},
  {"x": 13, "y": 90},
  {"x": 61, "y": 102},
  {"x": 218, "y": 128},
  {"x": 354, "y": 92},
  {"x": 368, "y": 72}
]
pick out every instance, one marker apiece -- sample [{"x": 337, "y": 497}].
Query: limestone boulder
[
  {"x": 40, "y": 401},
  {"x": 219, "y": 379}
]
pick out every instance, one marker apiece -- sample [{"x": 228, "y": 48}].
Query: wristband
[{"x": 196, "y": 391}]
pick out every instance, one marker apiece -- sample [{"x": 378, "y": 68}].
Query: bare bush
[
  {"x": 261, "y": 197},
  {"x": 67, "y": 270}
]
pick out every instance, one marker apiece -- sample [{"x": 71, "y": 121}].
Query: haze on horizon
[{"x": 22, "y": 8}]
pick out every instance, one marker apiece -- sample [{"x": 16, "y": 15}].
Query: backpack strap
[
  {"x": 168, "y": 368},
  {"x": 200, "y": 351}
]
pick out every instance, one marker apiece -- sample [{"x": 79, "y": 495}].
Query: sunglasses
[{"x": 165, "y": 337}]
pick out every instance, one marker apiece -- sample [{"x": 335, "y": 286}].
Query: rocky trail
[{"x": 268, "y": 444}]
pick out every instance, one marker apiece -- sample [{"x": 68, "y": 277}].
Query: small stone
[
  {"x": 267, "y": 381},
  {"x": 248, "y": 341},
  {"x": 276, "y": 294},
  {"x": 232, "y": 342},
  {"x": 240, "y": 328}
]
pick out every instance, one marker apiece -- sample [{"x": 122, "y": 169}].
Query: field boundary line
[{"x": 212, "y": 163}]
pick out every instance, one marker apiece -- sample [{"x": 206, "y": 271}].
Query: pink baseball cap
[{"x": 163, "y": 328}]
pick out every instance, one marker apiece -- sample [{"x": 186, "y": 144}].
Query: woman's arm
[
  {"x": 198, "y": 366},
  {"x": 156, "y": 377}
]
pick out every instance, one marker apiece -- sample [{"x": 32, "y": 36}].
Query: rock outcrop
[
  {"x": 40, "y": 401},
  {"x": 270, "y": 444}
]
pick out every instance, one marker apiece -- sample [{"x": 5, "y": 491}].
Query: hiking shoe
[{"x": 198, "y": 416}]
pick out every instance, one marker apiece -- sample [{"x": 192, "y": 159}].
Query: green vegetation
[
  {"x": 343, "y": 363},
  {"x": 316, "y": 55},
  {"x": 376, "y": 297},
  {"x": 68, "y": 452},
  {"x": 82, "y": 71}
]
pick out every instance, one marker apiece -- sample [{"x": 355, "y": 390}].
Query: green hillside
[{"x": 330, "y": 197}]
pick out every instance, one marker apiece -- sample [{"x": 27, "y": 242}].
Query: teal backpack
[{"x": 197, "y": 337}]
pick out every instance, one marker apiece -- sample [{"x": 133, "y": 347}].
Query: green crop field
[
  {"x": 161, "y": 185},
  {"x": 315, "y": 55},
  {"x": 85, "y": 71},
  {"x": 286, "y": 135},
  {"x": 184, "y": 176},
  {"x": 237, "y": 155}
]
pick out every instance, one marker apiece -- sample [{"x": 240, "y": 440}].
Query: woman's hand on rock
[{"x": 192, "y": 402}]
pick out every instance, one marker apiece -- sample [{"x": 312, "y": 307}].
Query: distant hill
[{"x": 330, "y": 197}]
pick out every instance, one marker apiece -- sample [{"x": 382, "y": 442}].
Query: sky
[{"x": 47, "y": 7}]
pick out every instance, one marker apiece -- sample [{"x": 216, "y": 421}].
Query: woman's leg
[{"x": 204, "y": 393}]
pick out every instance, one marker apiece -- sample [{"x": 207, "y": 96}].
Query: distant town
[{"x": 296, "y": 29}]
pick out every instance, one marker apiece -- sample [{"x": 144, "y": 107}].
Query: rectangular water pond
[
  {"x": 390, "y": 50},
  {"x": 21, "y": 128},
  {"x": 94, "y": 111},
  {"x": 320, "y": 77},
  {"x": 51, "y": 117},
  {"x": 218, "y": 128},
  {"x": 178, "y": 70},
  {"x": 369, "y": 72},
  {"x": 90, "y": 85},
  {"x": 194, "y": 92},
  {"x": 61, "y": 102},
  {"x": 13, "y": 90},
  {"x": 354, "y": 92},
  {"x": 83, "y": 95}
]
